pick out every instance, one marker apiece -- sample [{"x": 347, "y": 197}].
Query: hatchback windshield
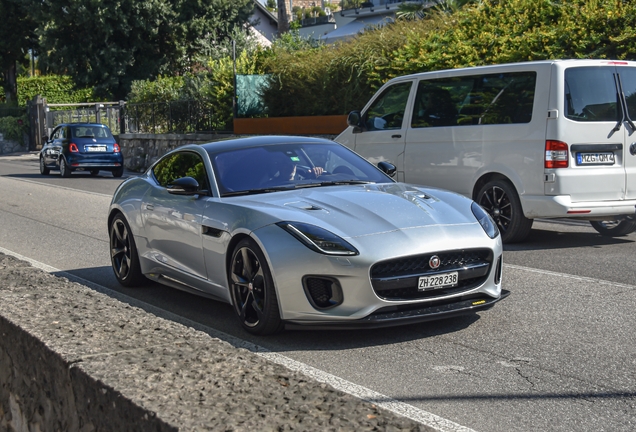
[{"x": 289, "y": 166}]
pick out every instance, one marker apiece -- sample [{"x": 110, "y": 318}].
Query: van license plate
[
  {"x": 438, "y": 281},
  {"x": 595, "y": 158}
]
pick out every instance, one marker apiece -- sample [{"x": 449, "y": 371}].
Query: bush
[
  {"x": 14, "y": 128},
  {"x": 55, "y": 88}
]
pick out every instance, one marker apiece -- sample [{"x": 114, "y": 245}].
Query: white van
[{"x": 545, "y": 139}]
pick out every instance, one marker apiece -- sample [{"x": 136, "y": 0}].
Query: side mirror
[
  {"x": 184, "y": 186},
  {"x": 387, "y": 168},
  {"x": 355, "y": 119}
]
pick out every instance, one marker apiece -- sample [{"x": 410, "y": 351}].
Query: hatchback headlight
[
  {"x": 318, "y": 239},
  {"x": 485, "y": 220}
]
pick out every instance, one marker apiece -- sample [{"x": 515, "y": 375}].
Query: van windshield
[{"x": 590, "y": 94}]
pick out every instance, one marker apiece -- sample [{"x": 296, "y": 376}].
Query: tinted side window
[
  {"x": 628, "y": 80},
  {"x": 387, "y": 111},
  {"x": 590, "y": 94},
  {"x": 178, "y": 165},
  {"x": 475, "y": 100}
]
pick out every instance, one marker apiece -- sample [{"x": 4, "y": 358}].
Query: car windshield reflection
[{"x": 280, "y": 167}]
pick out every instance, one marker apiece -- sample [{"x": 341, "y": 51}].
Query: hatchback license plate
[
  {"x": 96, "y": 148},
  {"x": 606, "y": 158},
  {"x": 443, "y": 280}
]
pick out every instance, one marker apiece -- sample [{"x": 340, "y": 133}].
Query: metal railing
[{"x": 188, "y": 116}]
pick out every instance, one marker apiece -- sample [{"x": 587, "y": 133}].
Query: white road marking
[
  {"x": 569, "y": 276},
  {"x": 385, "y": 402}
]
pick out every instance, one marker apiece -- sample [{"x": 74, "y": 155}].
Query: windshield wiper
[
  {"x": 332, "y": 183},
  {"x": 258, "y": 191}
]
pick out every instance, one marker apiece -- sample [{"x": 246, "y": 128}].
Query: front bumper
[{"x": 390, "y": 317}]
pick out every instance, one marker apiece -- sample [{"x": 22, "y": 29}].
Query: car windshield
[
  {"x": 91, "y": 132},
  {"x": 290, "y": 166}
]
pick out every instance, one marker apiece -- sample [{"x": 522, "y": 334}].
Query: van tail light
[
  {"x": 116, "y": 148},
  {"x": 73, "y": 148},
  {"x": 556, "y": 154}
]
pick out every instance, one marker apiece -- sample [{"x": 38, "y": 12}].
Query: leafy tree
[
  {"x": 110, "y": 43},
  {"x": 16, "y": 38}
]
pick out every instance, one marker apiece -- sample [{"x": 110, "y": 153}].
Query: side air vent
[{"x": 323, "y": 293}]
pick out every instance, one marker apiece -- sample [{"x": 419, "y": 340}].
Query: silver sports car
[{"x": 297, "y": 231}]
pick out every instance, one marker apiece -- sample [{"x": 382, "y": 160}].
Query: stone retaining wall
[
  {"x": 7, "y": 146},
  {"x": 73, "y": 359}
]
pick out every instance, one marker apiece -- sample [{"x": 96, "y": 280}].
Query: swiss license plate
[
  {"x": 96, "y": 148},
  {"x": 605, "y": 158},
  {"x": 442, "y": 280}
]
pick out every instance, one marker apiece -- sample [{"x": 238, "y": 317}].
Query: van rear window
[
  {"x": 502, "y": 98},
  {"x": 590, "y": 94},
  {"x": 628, "y": 80}
]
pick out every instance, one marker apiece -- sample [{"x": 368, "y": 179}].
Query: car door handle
[
  {"x": 150, "y": 207},
  {"x": 396, "y": 136}
]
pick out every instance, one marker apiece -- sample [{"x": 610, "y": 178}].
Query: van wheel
[
  {"x": 499, "y": 198},
  {"x": 614, "y": 228}
]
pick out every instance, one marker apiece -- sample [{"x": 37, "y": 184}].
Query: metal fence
[
  {"x": 173, "y": 117},
  {"x": 107, "y": 113}
]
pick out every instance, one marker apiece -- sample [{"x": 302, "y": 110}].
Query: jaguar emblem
[{"x": 434, "y": 262}]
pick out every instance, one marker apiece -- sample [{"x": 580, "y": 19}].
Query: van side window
[
  {"x": 387, "y": 111},
  {"x": 628, "y": 79},
  {"x": 475, "y": 100},
  {"x": 590, "y": 94}
]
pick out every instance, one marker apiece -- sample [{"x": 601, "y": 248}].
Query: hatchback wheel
[
  {"x": 44, "y": 170},
  {"x": 616, "y": 228},
  {"x": 252, "y": 290},
  {"x": 65, "y": 171},
  {"x": 500, "y": 199},
  {"x": 118, "y": 172},
  {"x": 94, "y": 172},
  {"x": 123, "y": 253}
]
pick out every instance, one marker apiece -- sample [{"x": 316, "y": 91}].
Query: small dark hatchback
[{"x": 81, "y": 147}]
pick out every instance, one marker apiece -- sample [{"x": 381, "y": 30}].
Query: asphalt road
[{"x": 559, "y": 354}]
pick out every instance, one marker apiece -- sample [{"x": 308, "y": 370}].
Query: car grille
[{"x": 397, "y": 279}]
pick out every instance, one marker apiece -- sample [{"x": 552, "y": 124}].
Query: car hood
[{"x": 352, "y": 211}]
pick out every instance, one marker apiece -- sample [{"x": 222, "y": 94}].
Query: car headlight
[
  {"x": 485, "y": 220},
  {"x": 318, "y": 239}
]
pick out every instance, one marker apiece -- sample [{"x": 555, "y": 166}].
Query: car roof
[
  {"x": 82, "y": 124},
  {"x": 265, "y": 140}
]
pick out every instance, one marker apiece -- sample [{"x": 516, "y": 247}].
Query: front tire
[
  {"x": 252, "y": 290},
  {"x": 614, "y": 228},
  {"x": 123, "y": 254},
  {"x": 500, "y": 199},
  {"x": 65, "y": 171},
  {"x": 44, "y": 170}
]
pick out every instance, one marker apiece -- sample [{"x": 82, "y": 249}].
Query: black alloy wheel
[
  {"x": 252, "y": 290},
  {"x": 500, "y": 199},
  {"x": 123, "y": 253},
  {"x": 44, "y": 170},
  {"x": 614, "y": 228},
  {"x": 94, "y": 172},
  {"x": 65, "y": 171}
]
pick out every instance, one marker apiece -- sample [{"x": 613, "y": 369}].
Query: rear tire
[
  {"x": 65, "y": 171},
  {"x": 500, "y": 199},
  {"x": 118, "y": 172},
  {"x": 123, "y": 254},
  {"x": 94, "y": 173},
  {"x": 252, "y": 289},
  {"x": 44, "y": 170},
  {"x": 614, "y": 228}
]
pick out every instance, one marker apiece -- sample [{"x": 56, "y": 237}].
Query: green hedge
[
  {"x": 14, "y": 128},
  {"x": 55, "y": 88}
]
